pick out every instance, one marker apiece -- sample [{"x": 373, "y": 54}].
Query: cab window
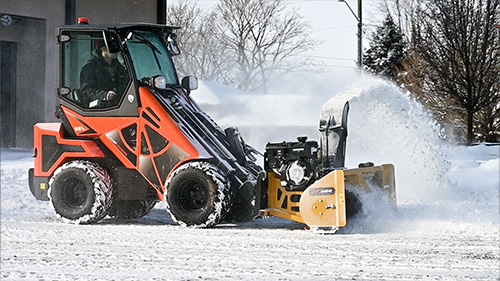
[
  {"x": 150, "y": 56},
  {"x": 94, "y": 78}
]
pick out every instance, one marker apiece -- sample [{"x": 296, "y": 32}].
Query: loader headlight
[
  {"x": 160, "y": 82},
  {"x": 297, "y": 173}
]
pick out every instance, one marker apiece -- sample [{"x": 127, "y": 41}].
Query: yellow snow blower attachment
[
  {"x": 308, "y": 183},
  {"x": 329, "y": 202}
]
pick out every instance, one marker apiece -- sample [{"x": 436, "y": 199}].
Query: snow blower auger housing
[{"x": 130, "y": 135}]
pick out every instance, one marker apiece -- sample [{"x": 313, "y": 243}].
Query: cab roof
[{"x": 140, "y": 25}]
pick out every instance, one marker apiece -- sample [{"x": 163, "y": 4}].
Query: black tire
[
  {"x": 131, "y": 209},
  {"x": 197, "y": 194},
  {"x": 81, "y": 192}
]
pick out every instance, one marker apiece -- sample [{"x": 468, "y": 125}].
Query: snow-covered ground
[{"x": 446, "y": 226}]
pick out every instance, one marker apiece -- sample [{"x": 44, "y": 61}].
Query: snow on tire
[
  {"x": 81, "y": 192},
  {"x": 197, "y": 194}
]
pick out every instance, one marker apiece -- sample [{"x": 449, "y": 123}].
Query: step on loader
[{"x": 130, "y": 135}]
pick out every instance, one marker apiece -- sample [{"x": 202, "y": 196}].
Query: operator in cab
[{"x": 103, "y": 79}]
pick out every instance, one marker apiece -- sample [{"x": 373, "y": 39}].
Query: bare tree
[
  {"x": 200, "y": 49},
  {"x": 263, "y": 38},
  {"x": 460, "y": 51},
  {"x": 412, "y": 75},
  {"x": 487, "y": 124},
  {"x": 243, "y": 43},
  {"x": 403, "y": 12}
]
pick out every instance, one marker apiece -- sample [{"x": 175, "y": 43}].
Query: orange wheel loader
[{"x": 117, "y": 151}]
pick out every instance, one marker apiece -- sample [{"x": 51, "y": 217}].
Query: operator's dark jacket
[{"x": 97, "y": 78}]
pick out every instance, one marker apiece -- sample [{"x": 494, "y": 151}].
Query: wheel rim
[
  {"x": 193, "y": 196},
  {"x": 74, "y": 192}
]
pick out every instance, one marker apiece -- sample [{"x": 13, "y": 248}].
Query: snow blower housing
[
  {"x": 307, "y": 182},
  {"x": 130, "y": 135}
]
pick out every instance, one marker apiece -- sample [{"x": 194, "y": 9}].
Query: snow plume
[{"x": 386, "y": 125}]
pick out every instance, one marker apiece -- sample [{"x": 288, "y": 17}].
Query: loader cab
[{"x": 97, "y": 59}]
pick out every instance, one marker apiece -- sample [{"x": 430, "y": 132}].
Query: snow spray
[{"x": 386, "y": 125}]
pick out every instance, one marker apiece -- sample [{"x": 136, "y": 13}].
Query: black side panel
[
  {"x": 147, "y": 169},
  {"x": 114, "y": 136},
  {"x": 130, "y": 185},
  {"x": 145, "y": 116},
  {"x": 158, "y": 142},
  {"x": 38, "y": 186},
  {"x": 51, "y": 151},
  {"x": 67, "y": 128},
  {"x": 168, "y": 160}
]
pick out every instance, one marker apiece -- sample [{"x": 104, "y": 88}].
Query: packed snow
[{"x": 446, "y": 226}]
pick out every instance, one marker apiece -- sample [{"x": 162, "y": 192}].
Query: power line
[
  {"x": 335, "y": 27},
  {"x": 339, "y": 66},
  {"x": 324, "y": 57}
]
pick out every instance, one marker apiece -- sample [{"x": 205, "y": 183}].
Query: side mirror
[
  {"x": 190, "y": 83},
  {"x": 172, "y": 46}
]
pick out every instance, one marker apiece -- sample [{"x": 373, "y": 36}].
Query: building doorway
[{"x": 8, "y": 63}]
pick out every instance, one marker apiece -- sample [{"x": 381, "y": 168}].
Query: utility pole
[
  {"x": 359, "y": 18},
  {"x": 360, "y": 35}
]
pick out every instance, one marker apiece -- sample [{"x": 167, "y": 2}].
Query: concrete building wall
[
  {"x": 32, "y": 30},
  {"x": 27, "y": 98},
  {"x": 112, "y": 11}
]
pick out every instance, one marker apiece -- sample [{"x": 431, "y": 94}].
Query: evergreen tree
[{"x": 387, "y": 50}]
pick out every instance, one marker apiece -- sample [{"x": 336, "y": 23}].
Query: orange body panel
[
  {"x": 152, "y": 143},
  {"x": 54, "y": 131},
  {"x": 168, "y": 127}
]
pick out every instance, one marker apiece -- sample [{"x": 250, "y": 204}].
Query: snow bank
[
  {"x": 235, "y": 107},
  {"x": 17, "y": 202}
]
